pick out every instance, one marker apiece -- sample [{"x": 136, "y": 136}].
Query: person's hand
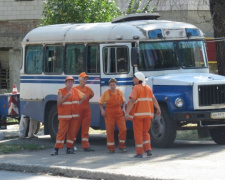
[
  {"x": 68, "y": 94},
  {"x": 158, "y": 112},
  {"x": 123, "y": 111},
  {"x": 126, "y": 116},
  {"x": 103, "y": 112}
]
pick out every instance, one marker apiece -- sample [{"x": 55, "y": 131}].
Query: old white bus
[{"x": 172, "y": 55}]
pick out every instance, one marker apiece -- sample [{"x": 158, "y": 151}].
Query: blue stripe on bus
[
  {"x": 51, "y": 82},
  {"x": 55, "y": 77},
  {"x": 60, "y": 80}
]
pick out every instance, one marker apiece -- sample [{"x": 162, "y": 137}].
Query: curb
[{"x": 70, "y": 172}]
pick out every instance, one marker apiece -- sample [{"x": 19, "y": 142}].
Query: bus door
[{"x": 115, "y": 63}]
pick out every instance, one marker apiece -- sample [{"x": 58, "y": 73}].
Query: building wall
[
  {"x": 20, "y": 10},
  {"x": 17, "y": 17}
]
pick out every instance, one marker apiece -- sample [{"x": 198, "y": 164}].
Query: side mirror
[{"x": 134, "y": 56}]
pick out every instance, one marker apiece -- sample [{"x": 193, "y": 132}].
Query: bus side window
[
  {"x": 75, "y": 59},
  {"x": 115, "y": 60},
  {"x": 93, "y": 59},
  {"x": 34, "y": 59},
  {"x": 54, "y": 59}
]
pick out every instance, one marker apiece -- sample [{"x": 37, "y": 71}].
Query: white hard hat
[{"x": 140, "y": 76}]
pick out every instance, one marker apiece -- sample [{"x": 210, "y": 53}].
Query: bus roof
[{"x": 101, "y": 32}]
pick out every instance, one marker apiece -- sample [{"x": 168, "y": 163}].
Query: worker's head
[
  {"x": 83, "y": 78},
  {"x": 139, "y": 78},
  {"x": 112, "y": 84},
  {"x": 69, "y": 81}
]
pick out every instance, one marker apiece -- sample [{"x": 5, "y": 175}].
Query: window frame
[
  {"x": 128, "y": 57},
  {"x": 45, "y": 55},
  {"x": 25, "y": 58}
]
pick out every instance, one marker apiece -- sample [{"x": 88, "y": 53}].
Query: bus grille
[{"x": 211, "y": 94}]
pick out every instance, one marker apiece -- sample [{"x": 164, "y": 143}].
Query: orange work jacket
[
  {"x": 143, "y": 107},
  {"x": 70, "y": 108}
]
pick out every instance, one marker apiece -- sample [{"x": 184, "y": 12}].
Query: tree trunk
[{"x": 217, "y": 9}]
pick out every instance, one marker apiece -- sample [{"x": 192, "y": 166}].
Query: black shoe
[
  {"x": 111, "y": 151},
  {"x": 88, "y": 149},
  {"x": 70, "y": 151},
  {"x": 54, "y": 152},
  {"x": 123, "y": 150},
  {"x": 149, "y": 153},
  {"x": 138, "y": 156}
]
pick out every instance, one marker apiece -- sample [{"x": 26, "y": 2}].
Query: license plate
[{"x": 218, "y": 115}]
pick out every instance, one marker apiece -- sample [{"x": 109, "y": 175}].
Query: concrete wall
[
  {"x": 16, "y": 19},
  {"x": 17, "y": 10}
]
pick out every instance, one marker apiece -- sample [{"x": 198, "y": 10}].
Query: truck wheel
[
  {"x": 53, "y": 122},
  {"x": 218, "y": 135},
  {"x": 163, "y": 129}
]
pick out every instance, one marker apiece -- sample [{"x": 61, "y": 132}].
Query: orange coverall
[
  {"x": 84, "y": 116},
  {"x": 114, "y": 115},
  {"x": 141, "y": 115},
  {"x": 68, "y": 114}
]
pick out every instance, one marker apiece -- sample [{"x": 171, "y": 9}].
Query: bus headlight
[{"x": 179, "y": 102}]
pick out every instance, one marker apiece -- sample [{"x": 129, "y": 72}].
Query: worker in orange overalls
[
  {"x": 140, "y": 109},
  {"x": 113, "y": 114},
  {"x": 84, "y": 112},
  {"x": 68, "y": 114}
]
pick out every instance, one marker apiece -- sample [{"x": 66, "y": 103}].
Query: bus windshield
[{"x": 172, "y": 55}]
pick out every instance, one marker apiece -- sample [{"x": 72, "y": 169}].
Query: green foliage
[
  {"x": 10, "y": 148},
  {"x": 86, "y": 11},
  {"x": 135, "y": 6},
  {"x": 79, "y": 11}
]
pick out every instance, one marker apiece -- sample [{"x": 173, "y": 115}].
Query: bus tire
[
  {"x": 218, "y": 135},
  {"x": 163, "y": 129},
  {"x": 53, "y": 122}
]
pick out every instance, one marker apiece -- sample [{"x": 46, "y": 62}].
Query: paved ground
[{"x": 186, "y": 160}]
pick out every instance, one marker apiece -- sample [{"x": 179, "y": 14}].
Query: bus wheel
[
  {"x": 218, "y": 135},
  {"x": 163, "y": 130},
  {"x": 53, "y": 122}
]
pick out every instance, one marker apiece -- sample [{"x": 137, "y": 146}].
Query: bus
[{"x": 172, "y": 55}]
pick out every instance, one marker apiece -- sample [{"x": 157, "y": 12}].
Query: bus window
[
  {"x": 75, "y": 60},
  {"x": 34, "y": 60},
  {"x": 192, "y": 53},
  {"x": 54, "y": 59},
  {"x": 93, "y": 59},
  {"x": 115, "y": 60},
  {"x": 157, "y": 55}
]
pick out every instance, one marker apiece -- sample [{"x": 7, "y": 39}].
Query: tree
[
  {"x": 79, "y": 11},
  {"x": 86, "y": 11},
  {"x": 135, "y": 6},
  {"x": 217, "y": 9}
]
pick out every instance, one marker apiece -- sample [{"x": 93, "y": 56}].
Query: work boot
[
  {"x": 111, "y": 151},
  {"x": 70, "y": 151},
  {"x": 54, "y": 152},
  {"x": 149, "y": 153},
  {"x": 138, "y": 156},
  {"x": 122, "y": 150},
  {"x": 88, "y": 149}
]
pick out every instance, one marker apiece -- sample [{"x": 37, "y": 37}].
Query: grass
[
  {"x": 10, "y": 148},
  {"x": 191, "y": 135}
]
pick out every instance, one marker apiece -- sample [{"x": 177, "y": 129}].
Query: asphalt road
[
  {"x": 12, "y": 175},
  {"x": 186, "y": 160}
]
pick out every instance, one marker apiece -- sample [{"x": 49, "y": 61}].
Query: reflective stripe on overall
[{"x": 114, "y": 115}]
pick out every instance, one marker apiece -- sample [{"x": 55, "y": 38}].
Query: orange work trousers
[
  {"x": 115, "y": 117},
  {"x": 141, "y": 127},
  {"x": 84, "y": 123},
  {"x": 66, "y": 126}
]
